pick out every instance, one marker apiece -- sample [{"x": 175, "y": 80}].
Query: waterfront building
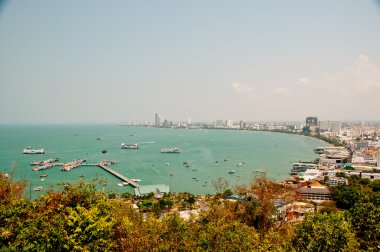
[{"x": 315, "y": 192}]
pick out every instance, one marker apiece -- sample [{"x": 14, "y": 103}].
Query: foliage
[
  {"x": 327, "y": 232},
  {"x": 79, "y": 218},
  {"x": 345, "y": 196},
  {"x": 366, "y": 221}
]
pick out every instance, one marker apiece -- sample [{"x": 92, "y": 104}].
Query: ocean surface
[{"x": 205, "y": 151}]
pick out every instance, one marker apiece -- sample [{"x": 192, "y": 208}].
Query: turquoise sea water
[{"x": 272, "y": 152}]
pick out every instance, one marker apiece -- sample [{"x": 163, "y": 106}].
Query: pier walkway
[{"x": 116, "y": 174}]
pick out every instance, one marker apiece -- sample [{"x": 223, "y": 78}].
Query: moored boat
[
  {"x": 129, "y": 146},
  {"x": 170, "y": 150},
  {"x": 38, "y": 188},
  {"x": 30, "y": 150}
]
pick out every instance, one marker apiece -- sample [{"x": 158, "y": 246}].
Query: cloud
[
  {"x": 281, "y": 91},
  {"x": 241, "y": 88},
  {"x": 304, "y": 80},
  {"x": 361, "y": 78}
]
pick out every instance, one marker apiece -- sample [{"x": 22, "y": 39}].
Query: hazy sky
[{"x": 111, "y": 61}]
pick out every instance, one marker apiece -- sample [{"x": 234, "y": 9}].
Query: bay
[{"x": 205, "y": 151}]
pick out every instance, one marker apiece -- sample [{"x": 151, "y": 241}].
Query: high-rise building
[
  {"x": 157, "y": 120},
  {"x": 311, "y": 121},
  {"x": 242, "y": 124}
]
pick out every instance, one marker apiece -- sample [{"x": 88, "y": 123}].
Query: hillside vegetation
[{"x": 80, "y": 218}]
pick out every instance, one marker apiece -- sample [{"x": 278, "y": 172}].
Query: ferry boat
[
  {"x": 170, "y": 150},
  {"x": 129, "y": 146},
  {"x": 30, "y": 150}
]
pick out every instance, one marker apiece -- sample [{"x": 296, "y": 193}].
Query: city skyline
[{"x": 252, "y": 61}]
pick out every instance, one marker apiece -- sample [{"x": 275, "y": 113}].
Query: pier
[
  {"x": 116, "y": 174},
  {"x": 81, "y": 162}
]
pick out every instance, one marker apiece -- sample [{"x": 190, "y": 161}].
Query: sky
[{"x": 114, "y": 61}]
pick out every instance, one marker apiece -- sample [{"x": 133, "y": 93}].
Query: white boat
[
  {"x": 170, "y": 150},
  {"x": 120, "y": 184},
  {"x": 136, "y": 180},
  {"x": 130, "y": 146},
  {"x": 42, "y": 179},
  {"x": 38, "y": 188},
  {"x": 30, "y": 150},
  {"x": 125, "y": 183},
  {"x": 240, "y": 164}
]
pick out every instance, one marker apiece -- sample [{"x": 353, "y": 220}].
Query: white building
[
  {"x": 330, "y": 126},
  {"x": 229, "y": 123}
]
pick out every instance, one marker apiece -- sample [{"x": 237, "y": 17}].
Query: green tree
[
  {"x": 345, "y": 196},
  {"x": 325, "y": 232},
  {"x": 365, "y": 219}
]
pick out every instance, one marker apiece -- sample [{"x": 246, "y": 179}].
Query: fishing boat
[
  {"x": 44, "y": 175},
  {"x": 104, "y": 151},
  {"x": 232, "y": 171}
]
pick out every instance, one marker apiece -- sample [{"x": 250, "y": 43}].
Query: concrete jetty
[{"x": 116, "y": 174}]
